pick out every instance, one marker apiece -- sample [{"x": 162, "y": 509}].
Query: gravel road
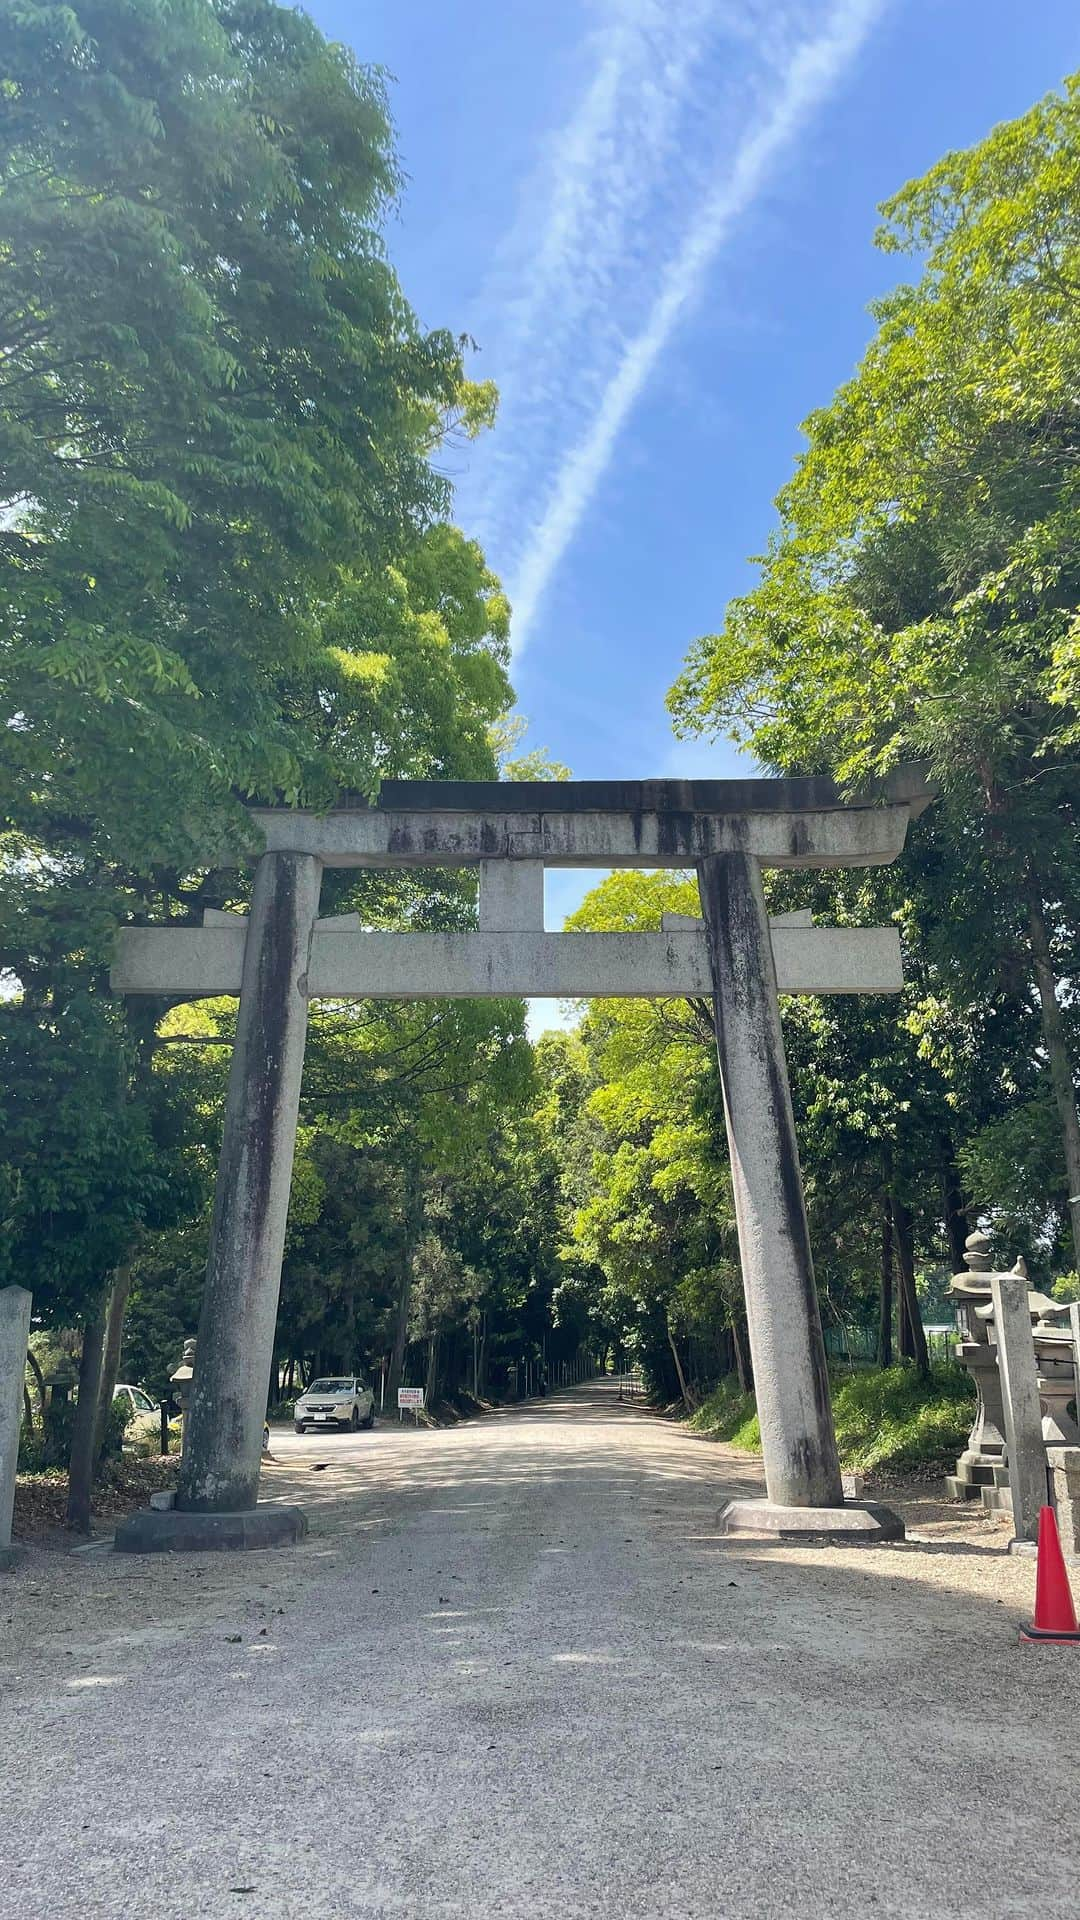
[{"x": 515, "y": 1671}]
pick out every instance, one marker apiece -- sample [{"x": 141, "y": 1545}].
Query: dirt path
[{"x": 514, "y": 1670}]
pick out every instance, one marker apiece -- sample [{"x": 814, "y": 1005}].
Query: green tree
[
  {"x": 223, "y": 571},
  {"x": 919, "y": 600},
  {"x": 215, "y": 398},
  {"x": 648, "y": 1189}
]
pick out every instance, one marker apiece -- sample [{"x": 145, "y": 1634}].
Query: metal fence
[{"x": 858, "y": 1346}]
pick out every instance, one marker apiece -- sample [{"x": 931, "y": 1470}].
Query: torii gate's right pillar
[{"x": 802, "y": 1468}]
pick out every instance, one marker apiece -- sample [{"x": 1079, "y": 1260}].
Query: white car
[
  {"x": 144, "y": 1411},
  {"x": 340, "y": 1401}
]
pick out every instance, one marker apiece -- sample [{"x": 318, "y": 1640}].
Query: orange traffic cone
[{"x": 1055, "y": 1615}]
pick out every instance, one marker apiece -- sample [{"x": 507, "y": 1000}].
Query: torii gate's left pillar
[{"x": 219, "y": 1473}]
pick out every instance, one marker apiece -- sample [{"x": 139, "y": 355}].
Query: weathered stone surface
[
  {"x": 1020, "y": 1397},
  {"x": 825, "y": 835},
  {"x": 856, "y": 1524},
  {"x": 224, "y": 1422},
  {"x": 505, "y": 961},
  {"x": 797, "y": 1438},
  {"x": 904, "y": 786},
  {"x": 14, "y": 1332},
  {"x": 1064, "y": 1463},
  {"x": 511, "y": 896},
  {"x": 176, "y": 1531}
]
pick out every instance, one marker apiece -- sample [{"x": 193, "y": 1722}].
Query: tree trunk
[
  {"x": 413, "y": 1216},
  {"x": 688, "y": 1398},
  {"x": 110, "y": 1366},
  {"x": 905, "y": 1260},
  {"x": 884, "y": 1341},
  {"x": 903, "y": 1328},
  {"x": 1061, "y": 1073},
  {"x": 401, "y": 1330},
  {"x": 742, "y": 1365},
  {"x": 39, "y": 1382},
  {"x": 954, "y": 1206},
  {"x": 81, "y": 1463},
  {"x": 431, "y": 1380}
]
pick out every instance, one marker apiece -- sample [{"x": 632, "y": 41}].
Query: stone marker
[
  {"x": 1074, "y": 1329},
  {"x": 14, "y": 1334},
  {"x": 1064, "y": 1465},
  {"x": 1020, "y": 1396}
]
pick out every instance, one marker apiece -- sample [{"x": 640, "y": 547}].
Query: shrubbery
[{"x": 889, "y": 1418}]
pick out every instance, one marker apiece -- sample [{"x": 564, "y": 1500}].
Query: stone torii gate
[{"x": 282, "y": 954}]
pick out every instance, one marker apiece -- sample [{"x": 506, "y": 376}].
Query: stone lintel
[
  {"x": 559, "y": 836},
  {"x": 206, "y": 961},
  {"x": 906, "y": 786},
  {"x": 681, "y": 922},
  {"x": 862, "y": 1523}
]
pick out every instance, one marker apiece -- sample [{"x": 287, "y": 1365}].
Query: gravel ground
[{"x": 515, "y": 1671}]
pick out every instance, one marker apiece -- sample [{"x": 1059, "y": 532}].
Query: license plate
[{"x": 322, "y": 1416}]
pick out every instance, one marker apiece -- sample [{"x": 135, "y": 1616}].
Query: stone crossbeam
[
  {"x": 866, "y": 837},
  {"x": 642, "y": 823},
  {"x": 346, "y": 964}
]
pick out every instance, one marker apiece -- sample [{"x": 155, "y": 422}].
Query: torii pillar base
[
  {"x": 177, "y": 1531},
  {"x": 856, "y": 1524}
]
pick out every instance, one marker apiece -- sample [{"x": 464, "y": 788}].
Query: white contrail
[
  {"x": 568, "y": 273},
  {"x": 804, "y": 82}
]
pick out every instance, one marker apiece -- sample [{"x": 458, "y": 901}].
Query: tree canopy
[{"x": 918, "y": 600}]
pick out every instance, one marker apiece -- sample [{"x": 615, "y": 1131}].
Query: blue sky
[{"x": 655, "y": 217}]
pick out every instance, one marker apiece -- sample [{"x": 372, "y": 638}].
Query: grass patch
[
  {"x": 728, "y": 1415},
  {"x": 886, "y": 1419}
]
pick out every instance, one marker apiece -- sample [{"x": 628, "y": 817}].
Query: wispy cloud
[{"x": 689, "y": 106}]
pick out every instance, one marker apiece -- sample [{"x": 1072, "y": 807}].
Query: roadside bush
[
  {"x": 116, "y": 1422},
  {"x": 893, "y": 1419},
  {"x": 884, "y": 1419},
  {"x": 726, "y": 1414},
  {"x": 48, "y": 1450},
  {"x": 42, "y": 1449}
]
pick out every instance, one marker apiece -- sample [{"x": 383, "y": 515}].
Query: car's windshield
[
  {"x": 143, "y": 1402},
  {"x": 330, "y": 1386}
]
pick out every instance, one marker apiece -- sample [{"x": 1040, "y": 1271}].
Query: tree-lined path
[{"x": 515, "y": 1670}]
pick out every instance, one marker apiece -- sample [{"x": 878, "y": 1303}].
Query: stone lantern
[
  {"x": 180, "y": 1381},
  {"x": 982, "y": 1470},
  {"x": 982, "y": 1463},
  {"x": 60, "y": 1380}
]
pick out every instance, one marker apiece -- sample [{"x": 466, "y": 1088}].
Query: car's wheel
[
  {"x": 298, "y": 1426},
  {"x": 368, "y": 1420},
  {"x": 354, "y": 1419}
]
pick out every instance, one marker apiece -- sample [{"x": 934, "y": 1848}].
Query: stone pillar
[
  {"x": 801, "y": 1464},
  {"x": 1064, "y": 1463},
  {"x": 1020, "y": 1396},
  {"x": 224, "y": 1424},
  {"x": 14, "y": 1334}
]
